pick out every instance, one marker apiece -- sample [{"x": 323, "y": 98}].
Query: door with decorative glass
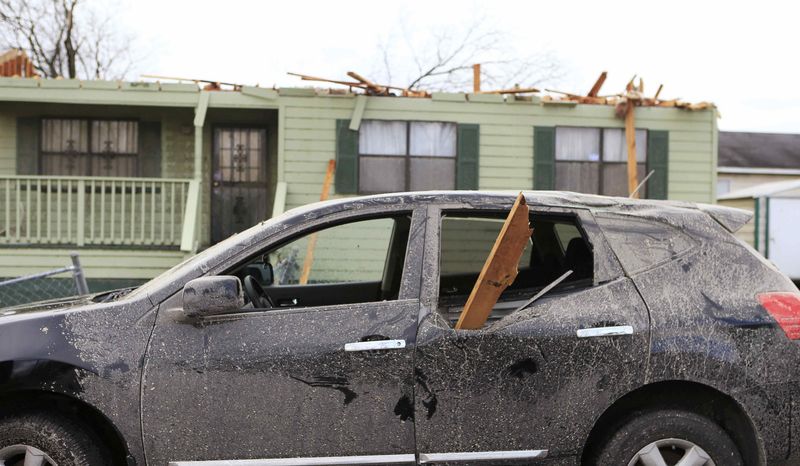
[{"x": 239, "y": 189}]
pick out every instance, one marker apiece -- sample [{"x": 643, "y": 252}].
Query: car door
[
  {"x": 531, "y": 383},
  {"x": 315, "y": 377}
]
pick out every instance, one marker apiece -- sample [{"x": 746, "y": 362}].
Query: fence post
[
  {"x": 81, "y": 214},
  {"x": 77, "y": 273}
]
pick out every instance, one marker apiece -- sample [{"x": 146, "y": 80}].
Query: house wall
[
  {"x": 747, "y": 232},
  {"x": 176, "y": 147},
  {"x": 506, "y": 137},
  {"x": 741, "y": 181},
  {"x": 302, "y": 139}
]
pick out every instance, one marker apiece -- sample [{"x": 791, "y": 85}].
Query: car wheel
[
  {"x": 46, "y": 440},
  {"x": 670, "y": 438}
]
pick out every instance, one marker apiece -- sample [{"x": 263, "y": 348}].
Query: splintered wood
[{"x": 500, "y": 268}]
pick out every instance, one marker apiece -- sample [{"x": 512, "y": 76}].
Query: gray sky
[{"x": 740, "y": 55}]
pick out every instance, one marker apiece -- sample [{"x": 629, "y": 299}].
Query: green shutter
[
  {"x": 150, "y": 149},
  {"x": 658, "y": 161},
  {"x": 467, "y": 168},
  {"x": 28, "y": 136},
  {"x": 544, "y": 157},
  {"x": 346, "y": 158}
]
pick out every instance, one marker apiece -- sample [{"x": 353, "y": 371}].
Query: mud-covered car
[{"x": 325, "y": 336}]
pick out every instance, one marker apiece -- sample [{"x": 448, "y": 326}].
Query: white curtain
[
  {"x": 615, "y": 149},
  {"x": 578, "y": 144},
  {"x": 377, "y": 137},
  {"x": 433, "y": 139}
]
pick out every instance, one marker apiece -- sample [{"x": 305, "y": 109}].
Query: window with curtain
[
  {"x": 595, "y": 160},
  {"x": 406, "y": 156},
  {"x": 82, "y": 147}
]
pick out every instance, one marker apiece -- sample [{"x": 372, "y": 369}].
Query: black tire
[
  {"x": 651, "y": 426},
  {"x": 66, "y": 442}
]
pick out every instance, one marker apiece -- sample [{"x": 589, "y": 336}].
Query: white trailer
[{"x": 775, "y": 229}]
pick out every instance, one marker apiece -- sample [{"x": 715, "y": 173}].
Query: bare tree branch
[
  {"x": 65, "y": 38},
  {"x": 443, "y": 61}
]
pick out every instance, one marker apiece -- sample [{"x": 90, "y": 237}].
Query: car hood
[{"x": 50, "y": 305}]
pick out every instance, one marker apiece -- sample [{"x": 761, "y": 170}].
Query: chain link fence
[{"x": 58, "y": 283}]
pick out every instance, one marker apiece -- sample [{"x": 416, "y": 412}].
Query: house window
[
  {"x": 723, "y": 187},
  {"x": 406, "y": 156},
  {"x": 594, "y": 160},
  {"x": 81, "y": 147}
]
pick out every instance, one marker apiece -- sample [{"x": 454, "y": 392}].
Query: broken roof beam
[
  {"x": 376, "y": 88},
  {"x": 515, "y": 90},
  {"x": 597, "y": 85}
]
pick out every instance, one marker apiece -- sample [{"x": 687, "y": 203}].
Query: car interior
[
  {"x": 557, "y": 245},
  {"x": 350, "y": 263}
]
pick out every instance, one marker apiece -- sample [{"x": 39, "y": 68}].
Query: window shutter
[
  {"x": 28, "y": 136},
  {"x": 658, "y": 160},
  {"x": 150, "y": 149},
  {"x": 544, "y": 157},
  {"x": 346, "y": 158},
  {"x": 467, "y": 155}
]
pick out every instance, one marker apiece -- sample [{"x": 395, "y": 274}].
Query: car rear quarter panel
[{"x": 707, "y": 326}]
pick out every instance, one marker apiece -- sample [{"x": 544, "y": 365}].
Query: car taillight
[{"x": 785, "y": 309}]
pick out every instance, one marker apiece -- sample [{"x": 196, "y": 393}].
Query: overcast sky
[{"x": 740, "y": 55}]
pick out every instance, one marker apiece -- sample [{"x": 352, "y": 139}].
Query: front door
[
  {"x": 326, "y": 372},
  {"x": 239, "y": 187}
]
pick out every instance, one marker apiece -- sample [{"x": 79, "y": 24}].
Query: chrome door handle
[
  {"x": 605, "y": 331},
  {"x": 375, "y": 345}
]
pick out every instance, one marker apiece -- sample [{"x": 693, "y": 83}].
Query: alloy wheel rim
[
  {"x": 671, "y": 452},
  {"x": 24, "y": 455}
]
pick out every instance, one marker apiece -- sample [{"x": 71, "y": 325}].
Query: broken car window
[{"x": 557, "y": 245}]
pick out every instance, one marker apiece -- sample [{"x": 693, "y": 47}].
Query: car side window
[
  {"x": 557, "y": 244},
  {"x": 642, "y": 244},
  {"x": 350, "y": 263}
]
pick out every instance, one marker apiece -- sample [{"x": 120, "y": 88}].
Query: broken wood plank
[
  {"x": 376, "y": 88},
  {"x": 597, "y": 85},
  {"x": 515, "y": 90},
  {"x": 658, "y": 92},
  {"x": 630, "y": 139},
  {"x": 500, "y": 268},
  {"x": 312, "y": 240}
]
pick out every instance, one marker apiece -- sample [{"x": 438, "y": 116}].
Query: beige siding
[
  {"x": 96, "y": 263},
  {"x": 8, "y": 144},
  {"x": 506, "y": 133},
  {"x": 747, "y": 232},
  {"x": 741, "y": 181}
]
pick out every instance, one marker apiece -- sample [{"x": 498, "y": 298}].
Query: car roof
[{"x": 730, "y": 218}]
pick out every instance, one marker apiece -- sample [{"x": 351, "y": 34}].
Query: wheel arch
[
  {"x": 693, "y": 396},
  {"x": 56, "y": 396}
]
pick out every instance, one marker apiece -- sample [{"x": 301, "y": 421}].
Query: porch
[{"x": 73, "y": 211}]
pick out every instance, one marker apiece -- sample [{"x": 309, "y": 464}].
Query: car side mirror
[
  {"x": 210, "y": 296},
  {"x": 268, "y": 275}
]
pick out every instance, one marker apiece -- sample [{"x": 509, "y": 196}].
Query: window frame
[
  {"x": 412, "y": 266},
  {"x": 407, "y": 156},
  {"x": 89, "y": 154},
  {"x": 602, "y": 163}
]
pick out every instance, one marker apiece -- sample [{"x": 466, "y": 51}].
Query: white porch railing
[{"x": 48, "y": 210}]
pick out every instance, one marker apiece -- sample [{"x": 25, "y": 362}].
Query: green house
[{"x": 136, "y": 176}]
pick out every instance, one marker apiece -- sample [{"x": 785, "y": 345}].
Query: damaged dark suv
[{"x": 325, "y": 336}]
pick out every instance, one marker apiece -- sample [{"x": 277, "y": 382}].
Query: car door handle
[
  {"x": 605, "y": 331},
  {"x": 375, "y": 345}
]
